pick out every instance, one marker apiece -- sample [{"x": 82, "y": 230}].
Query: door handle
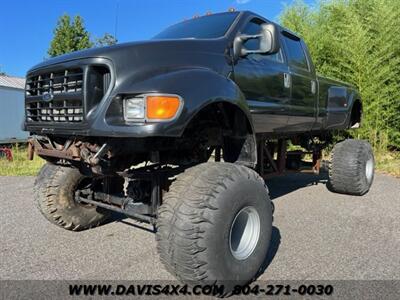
[
  {"x": 286, "y": 80},
  {"x": 313, "y": 87}
]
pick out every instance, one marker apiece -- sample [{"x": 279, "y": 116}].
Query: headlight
[
  {"x": 133, "y": 109},
  {"x": 152, "y": 107}
]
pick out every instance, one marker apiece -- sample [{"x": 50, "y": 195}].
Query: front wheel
[
  {"x": 55, "y": 188},
  {"x": 215, "y": 225}
]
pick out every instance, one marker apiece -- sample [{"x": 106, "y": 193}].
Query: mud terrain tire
[
  {"x": 215, "y": 225},
  {"x": 351, "y": 170},
  {"x": 54, "y": 191}
]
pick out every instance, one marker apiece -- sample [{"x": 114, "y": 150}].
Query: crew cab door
[
  {"x": 261, "y": 79},
  {"x": 302, "y": 78}
]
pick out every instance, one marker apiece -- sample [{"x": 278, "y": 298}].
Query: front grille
[
  {"x": 55, "y": 111},
  {"x": 66, "y": 81},
  {"x": 58, "y": 96}
]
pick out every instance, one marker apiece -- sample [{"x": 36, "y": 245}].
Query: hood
[{"x": 148, "y": 51}]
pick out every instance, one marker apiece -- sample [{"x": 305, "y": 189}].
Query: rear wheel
[
  {"x": 352, "y": 167},
  {"x": 55, "y": 188},
  {"x": 215, "y": 225}
]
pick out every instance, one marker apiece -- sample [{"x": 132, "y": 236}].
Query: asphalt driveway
[{"x": 317, "y": 235}]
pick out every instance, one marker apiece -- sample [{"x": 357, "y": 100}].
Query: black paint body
[{"x": 202, "y": 71}]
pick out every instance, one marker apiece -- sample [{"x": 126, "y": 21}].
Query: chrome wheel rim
[
  {"x": 244, "y": 233},
  {"x": 369, "y": 169}
]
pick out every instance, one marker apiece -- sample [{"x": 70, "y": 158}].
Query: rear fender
[{"x": 339, "y": 106}]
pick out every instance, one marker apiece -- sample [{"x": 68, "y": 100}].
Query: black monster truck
[{"x": 133, "y": 128}]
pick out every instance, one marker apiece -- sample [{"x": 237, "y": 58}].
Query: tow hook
[
  {"x": 31, "y": 149},
  {"x": 99, "y": 155}
]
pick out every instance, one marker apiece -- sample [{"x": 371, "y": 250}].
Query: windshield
[{"x": 208, "y": 27}]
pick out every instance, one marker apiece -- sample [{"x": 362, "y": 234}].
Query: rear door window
[{"x": 295, "y": 53}]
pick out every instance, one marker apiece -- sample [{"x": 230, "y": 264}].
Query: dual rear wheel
[{"x": 351, "y": 170}]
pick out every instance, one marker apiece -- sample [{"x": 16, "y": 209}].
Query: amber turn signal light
[{"x": 162, "y": 107}]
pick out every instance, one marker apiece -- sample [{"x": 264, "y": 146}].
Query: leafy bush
[{"x": 357, "y": 41}]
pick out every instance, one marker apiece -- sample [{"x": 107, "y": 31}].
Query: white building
[{"x": 12, "y": 109}]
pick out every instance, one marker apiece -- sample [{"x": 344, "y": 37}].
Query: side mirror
[{"x": 269, "y": 42}]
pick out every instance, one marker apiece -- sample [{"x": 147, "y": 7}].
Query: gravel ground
[{"x": 317, "y": 235}]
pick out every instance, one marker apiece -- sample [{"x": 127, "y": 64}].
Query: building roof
[{"x": 12, "y": 82}]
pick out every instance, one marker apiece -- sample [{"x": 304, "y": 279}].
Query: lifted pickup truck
[{"x": 181, "y": 131}]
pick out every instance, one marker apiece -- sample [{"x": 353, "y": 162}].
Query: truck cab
[
  {"x": 283, "y": 90},
  {"x": 182, "y": 131}
]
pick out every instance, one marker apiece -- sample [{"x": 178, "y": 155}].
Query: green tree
[
  {"x": 357, "y": 41},
  {"x": 69, "y": 36},
  {"x": 106, "y": 40}
]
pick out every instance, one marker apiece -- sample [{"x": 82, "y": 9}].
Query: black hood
[{"x": 143, "y": 51}]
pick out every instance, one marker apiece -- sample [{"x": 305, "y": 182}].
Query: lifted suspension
[
  {"x": 269, "y": 166},
  {"x": 146, "y": 211}
]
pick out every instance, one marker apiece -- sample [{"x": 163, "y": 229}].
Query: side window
[
  {"x": 252, "y": 28},
  {"x": 295, "y": 52}
]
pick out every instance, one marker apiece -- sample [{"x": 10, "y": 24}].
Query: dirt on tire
[{"x": 54, "y": 192}]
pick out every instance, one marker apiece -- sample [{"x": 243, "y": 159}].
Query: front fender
[{"x": 198, "y": 87}]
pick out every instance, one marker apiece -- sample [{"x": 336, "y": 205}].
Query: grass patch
[
  {"x": 388, "y": 162},
  {"x": 20, "y": 166}
]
